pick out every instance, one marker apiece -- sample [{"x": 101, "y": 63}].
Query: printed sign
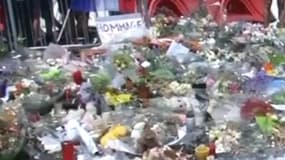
[{"x": 119, "y": 28}]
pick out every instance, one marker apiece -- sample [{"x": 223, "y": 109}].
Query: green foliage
[
  {"x": 163, "y": 29},
  {"x": 266, "y": 124},
  {"x": 122, "y": 59},
  {"x": 52, "y": 74},
  {"x": 278, "y": 98},
  {"x": 100, "y": 81},
  {"x": 277, "y": 58},
  {"x": 162, "y": 74}
]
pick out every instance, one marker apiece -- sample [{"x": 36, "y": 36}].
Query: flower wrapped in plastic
[{"x": 12, "y": 130}]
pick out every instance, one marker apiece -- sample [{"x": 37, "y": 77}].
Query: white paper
[
  {"x": 280, "y": 107},
  {"x": 182, "y": 131},
  {"x": 120, "y": 146},
  {"x": 87, "y": 140},
  {"x": 114, "y": 29},
  {"x": 51, "y": 144},
  {"x": 178, "y": 51},
  {"x": 176, "y": 48},
  {"x": 108, "y": 157},
  {"x": 71, "y": 130},
  {"x": 146, "y": 64}
]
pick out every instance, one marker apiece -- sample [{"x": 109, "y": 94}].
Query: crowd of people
[{"x": 30, "y": 15}]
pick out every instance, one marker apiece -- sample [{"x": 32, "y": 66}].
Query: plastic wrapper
[
  {"x": 196, "y": 72},
  {"x": 226, "y": 110},
  {"x": 118, "y": 81},
  {"x": 37, "y": 103},
  {"x": 178, "y": 52},
  {"x": 264, "y": 85},
  {"x": 55, "y": 52},
  {"x": 223, "y": 83}
]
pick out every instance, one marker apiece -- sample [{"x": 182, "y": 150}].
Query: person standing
[
  {"x": 81, "y": 9},
  {"x": 44, "y": 9},
  {"x": 281, "y": 9},
  {"x": 281, "y": 12}
]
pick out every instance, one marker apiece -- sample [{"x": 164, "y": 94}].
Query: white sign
[{"x": 119, "y": 28}]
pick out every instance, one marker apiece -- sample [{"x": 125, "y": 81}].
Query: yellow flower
[
  {"x": 114, "y": 133},
  {"x": 117, "y": 99}
]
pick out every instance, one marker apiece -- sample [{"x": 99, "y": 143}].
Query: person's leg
[
  {"x": 82, "y": 23},
  {"x": 85, "y": 27},
  {"x": 46, "y": 10},
  {"x": 268, "y": 12},
  {"x": 27, "y": 18},
  {"x": 36, "y": 14},
  {"x": 281, "y": 7}
]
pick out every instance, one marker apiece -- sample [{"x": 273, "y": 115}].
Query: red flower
[
  {"x": 254, "y": 107},
  {"x": 77, "y": 77}
]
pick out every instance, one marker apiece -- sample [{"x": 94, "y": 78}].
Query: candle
[
  {"x": 202, "y": 152},
  {"x": 212, "y": 147},
  {"x": 68, "y": 151}
]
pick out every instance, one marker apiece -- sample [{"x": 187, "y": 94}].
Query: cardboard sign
[{"x": 119, "y": 28}]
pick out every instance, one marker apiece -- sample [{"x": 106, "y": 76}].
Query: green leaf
[
  {"x": 278, "y": 98},
  {"x": 51, "y": 74},
  {"x": 265, "y": 123},
  {"x": 277, "y": 59},
  {"x": 163, "y": 74},
  {"x": 100, "y": 81},
  {"x": 123, "y": 58}
]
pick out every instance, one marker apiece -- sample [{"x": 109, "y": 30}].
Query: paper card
[
  {"x": 179, "y": 52},
  {"x": 120, "y": 28},
  {"x": 176, "y": 49}
]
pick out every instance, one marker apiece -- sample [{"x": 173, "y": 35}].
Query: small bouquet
[
  {"x": 122, "y": 60},
  {"x": 100, "y": 81},
  {"x": 162, "y": 74}
]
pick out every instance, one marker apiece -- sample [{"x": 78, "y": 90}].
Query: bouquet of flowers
[
  {"x": 122, "y": 60},
  {"x": 100, "y": 81},
  {"x": 12, "y": 132}
]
